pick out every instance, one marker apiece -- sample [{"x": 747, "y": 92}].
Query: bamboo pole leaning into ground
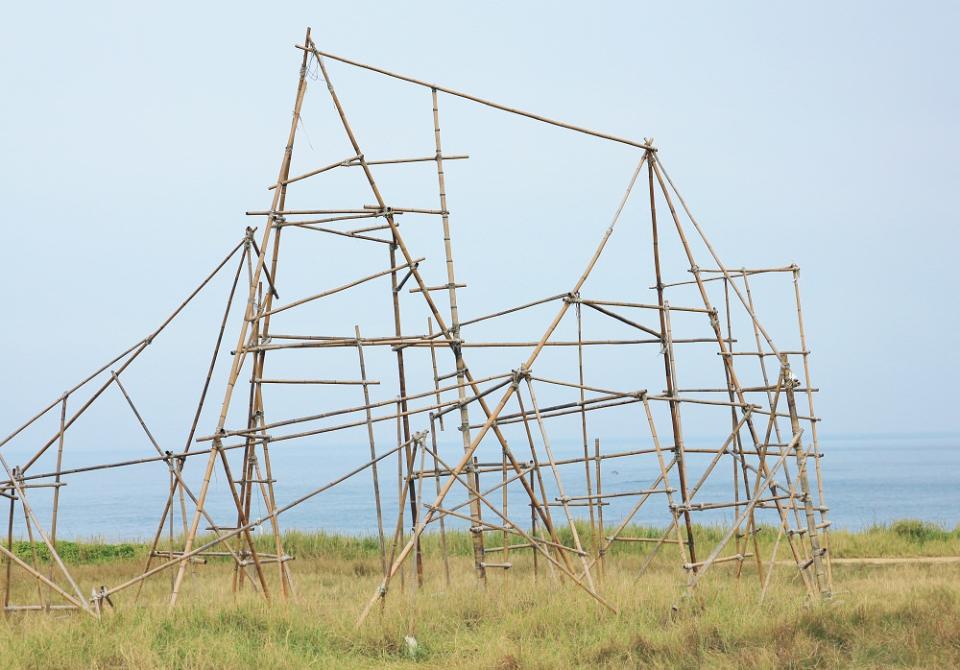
[{"x": 239, "y": 355}]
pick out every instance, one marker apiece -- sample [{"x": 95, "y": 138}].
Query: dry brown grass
[{"x": 882, "y": 616}]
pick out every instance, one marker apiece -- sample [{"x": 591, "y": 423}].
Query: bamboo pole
[
  {"x": 338, "y": 289},
  {"x": 559, "y": 483},
  {"x": 813, "y": 534},
  {"x": 813, "y": 424},
  {"x": 583, "y": 432},
  {"x": 57, "y": 479},
  {"x": 433, "y": 362},
  {"x": 403, "y": 416},
  {"x": 9, "y": 562},
  {"x": 436, "y": 482},
  {"x": 478, "y": 553},
  {"x": 373, "y": 455},
  {"x": 597, "y": 467},
  {"x": 239, "y": 356},
  {"x": 536, "y": 117}
]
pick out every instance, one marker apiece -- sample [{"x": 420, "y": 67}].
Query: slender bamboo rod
[
  {"x": 436, "y": 482},
  {"x": 136, "y": 351},
  {"x": 594, "y": 541},
  {"x": 239, "y": 356},
  {"x": 536, "y": 117},
  {"x": 455, "y": 328},
  {"x": 338, "y": 289},
  {"x": 373, "y": 455},
  {"x": 813, "y": 425}
]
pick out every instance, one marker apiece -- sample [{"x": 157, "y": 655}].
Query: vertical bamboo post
[
  {"x": 504, "y": 534},
  {"x": 403, "y": 419},
  {"x": 57, "y": 480},
  {"x": 266, "y": 487},
  {"x": 436, "y": 483},
  {"x": 533, "y": 534},
  {"x": 33, "y": 550},
  {"x": 6, "y": 559},
  {"x": 433, "y": 361},
  {"x": 812, "y": 532},
  {"x": 667, "y": 362},
  {"x": 599, "y": 550},
  {"x": 373, "y": 452},
  {"x": 583, "y": 432},
  {"x": 751, "y": 530},
  {"x": 678, "y": 447},
  {"x": 808, "y": 383},
  {"x": 475, "y": 515}
]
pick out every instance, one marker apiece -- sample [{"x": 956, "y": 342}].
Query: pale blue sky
[{"x": 133, "y": 138}]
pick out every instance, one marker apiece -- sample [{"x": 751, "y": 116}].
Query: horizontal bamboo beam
[
  {"x": 620, "y": 494},
  {"x": 400, "y": 343},
  {"x": 658, "y": 540},
  {"x": 332, "y": 231},
  {"x": 745, "y": 389},
  {"x": 640, "y": 305},
  {"x": 441, "y": 287},
  {"x": 725, "y": 559},
  {"x": 355, "y": 161},
  {"x": 405, "y": 210},
  {"x": 345, "y": 382}
]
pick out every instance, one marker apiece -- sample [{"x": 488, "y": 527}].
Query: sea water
[{"x": 868, "y": 479}]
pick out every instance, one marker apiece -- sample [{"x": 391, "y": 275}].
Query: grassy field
[{"x": 899, "y": 615}]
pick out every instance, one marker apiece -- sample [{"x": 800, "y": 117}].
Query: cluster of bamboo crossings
[{"x": 769, "y": 433}]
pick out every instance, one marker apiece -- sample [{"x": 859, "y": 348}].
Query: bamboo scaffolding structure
[{"x": 770, "y": 473}]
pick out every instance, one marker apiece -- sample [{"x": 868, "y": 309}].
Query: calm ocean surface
[{"x": 869, "y": 479}]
